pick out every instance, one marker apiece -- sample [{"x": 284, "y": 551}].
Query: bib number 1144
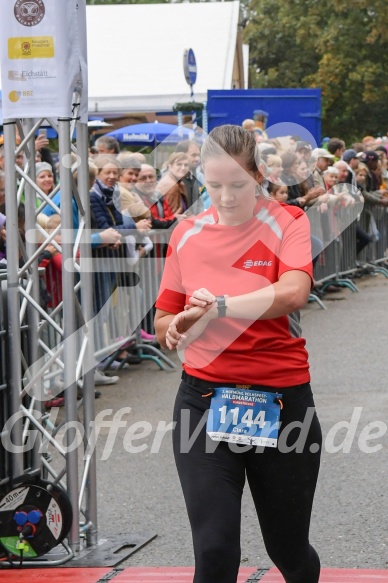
[{"x": 247, "y": 418}]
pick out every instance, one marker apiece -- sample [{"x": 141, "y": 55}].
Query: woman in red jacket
[{"x": 234, "y": 281}]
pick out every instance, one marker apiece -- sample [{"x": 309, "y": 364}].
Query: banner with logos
[{"x": 43, "y": 57}]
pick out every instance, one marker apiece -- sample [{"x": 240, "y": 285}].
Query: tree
[
  {"x": 91, "y": 2},
  {"x": 342, "y": 48}
]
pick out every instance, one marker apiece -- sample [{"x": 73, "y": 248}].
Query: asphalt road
[{"x": 139, "y": 490}]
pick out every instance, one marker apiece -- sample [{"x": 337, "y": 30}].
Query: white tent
[{"x": 135, "y": 53}]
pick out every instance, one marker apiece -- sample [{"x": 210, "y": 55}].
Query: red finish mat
[
  {"x": 168, "y": 575},
  {"x": 173, "y": 575},
  {"x": 56, "y": 574},
  {"x": 336, "y": 576}
]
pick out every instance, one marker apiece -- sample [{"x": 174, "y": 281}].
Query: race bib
[{"x": 244, "y": 417}]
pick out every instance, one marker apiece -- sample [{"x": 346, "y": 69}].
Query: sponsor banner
[{"x": 43, "y": 57}]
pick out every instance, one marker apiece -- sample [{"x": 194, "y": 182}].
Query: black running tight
[{"x": 282, "y": 485}]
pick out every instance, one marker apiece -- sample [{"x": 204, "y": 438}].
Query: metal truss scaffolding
[{"x": 35, "y": 360}]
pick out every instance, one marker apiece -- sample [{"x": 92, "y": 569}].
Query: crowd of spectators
[
  {"x": 326, "y": 179},
  {"x": 129, "y": 198}
]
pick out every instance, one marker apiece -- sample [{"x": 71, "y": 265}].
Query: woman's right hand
[
  {"x": 201, "y": 298},
  {"x": 187, "y": 326}
]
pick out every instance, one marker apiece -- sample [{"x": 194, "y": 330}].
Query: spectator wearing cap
[
  {"x": 44, "y": 177},
  {"x": 336, "y": 147},
  {"x": 323, "y": 160},
  {"x": 303, "y": 150},
  {"x": 351, "y": 160}
]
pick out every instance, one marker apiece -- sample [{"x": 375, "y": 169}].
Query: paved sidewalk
[{"x": 348, "y": 354}]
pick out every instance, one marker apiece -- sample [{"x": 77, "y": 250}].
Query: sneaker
[
  {"x": 100, "y": 378},
  {"x": 114, "y": 365},
  {"x": 147, "y": 337}
]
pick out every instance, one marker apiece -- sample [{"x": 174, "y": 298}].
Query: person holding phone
[
  {"x": 42, "y": 146},
  {"x": 234, "y": 280}
]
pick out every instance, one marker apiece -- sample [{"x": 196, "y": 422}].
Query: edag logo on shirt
[
  {"x": 257, "y": 263},
  {"x": 258, "y": 259}
]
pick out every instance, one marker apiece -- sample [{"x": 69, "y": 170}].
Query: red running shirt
[{"x": 235, "y": 260}]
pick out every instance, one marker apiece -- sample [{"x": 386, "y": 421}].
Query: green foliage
[
  {"x": 189, "y": 106},
  {"x": 340, "y": 47},
  {"x": 127, "y": 2}
]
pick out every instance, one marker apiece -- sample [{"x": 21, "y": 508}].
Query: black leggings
[{"x": 282, "y": 487}]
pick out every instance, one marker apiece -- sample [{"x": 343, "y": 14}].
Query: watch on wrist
[{"x": 221, "y": 306}]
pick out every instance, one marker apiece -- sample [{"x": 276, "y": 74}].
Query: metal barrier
[
  {"x": 339, "y": 228},
  {"x": 125, "y": 290},
  {"x": 374, "y": 221}
]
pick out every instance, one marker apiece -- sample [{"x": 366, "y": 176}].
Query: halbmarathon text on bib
[{"x": 244, "y": 417}]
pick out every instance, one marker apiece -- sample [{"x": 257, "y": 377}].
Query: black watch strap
[{"x": 221, "y": 306}]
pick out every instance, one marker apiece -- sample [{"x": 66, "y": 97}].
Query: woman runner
[{"x": 234, "y": 280}]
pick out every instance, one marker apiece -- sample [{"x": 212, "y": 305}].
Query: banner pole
[
  {"x": 87, "y": 308},
  {"x": 69, "y": 325},
  {"x": 13, "y": 302}
]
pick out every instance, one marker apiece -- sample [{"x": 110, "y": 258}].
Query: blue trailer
[{"x": 301, "y": 107}]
